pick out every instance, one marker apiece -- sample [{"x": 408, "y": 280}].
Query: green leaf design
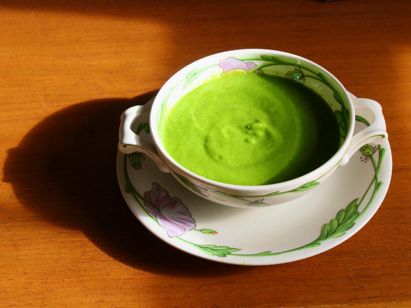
[
  {"x": 306, "y": 186},
  {"x": 344, "y": 221},
  {"x": 338, "y": 98},
  {"x": 321, "y": 75},
  {"x": 362, "y": 119},
  {"x": 346, "y": 114},
  {"x": 343, "y": 116},
  {"x": 189, "y": 80},
  {"x": 143, "y": 126},
  {"x": 190, "y": 185},
  {"x": 323, "y": 234},
  {"x": 336, "y": 95},
  {"x": 335, "y": 235},
  {"x": 350, "y": 209},
  {"x": 302, "y": 188},
  {"x": 263, "y": 254},
  {"x": 333, "y": 226},
  {"x": 271, "y": 59},
  {"x": 259, "y": 203},
  {"x": 191, "y": 76},
  {"x": 209, "y": 231},
  {"x": 339, "y": 225},
  {"x": 352, "y": 218},
  {"x": 340, "y": 216},
  {"x": 196, "y": 71},
  {"x": 135, "y": 160},
  {"x": 311, "y": 245},
  {"x": 219, "y": 251},
  {"x": 346, "y": 226},
  {"x": 345, "y": 218},
  {"x": 127, "y": 187},
  {"x": 275, "y": 193},
  {"x": 339, "y": 116},
  {"x": 205, "y": 251}
]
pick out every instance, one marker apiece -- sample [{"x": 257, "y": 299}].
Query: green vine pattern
[
  {"x": 213, "y": 250},
  {"x": 135, "y": 160},
  {"x": 362, "y": 119},
  {"x": 143, "y": 126},
  {"x": 189, "y": 184},
  {"x": 337, "y": 227},
  {"x": 187, "y": 81},
  {"x": 300, "y": 189},
  {"x": 251, "y": 203},
  {"x": 297, "y": 74},
  {"x": 342, "y": 115},
  {"x": 136, "y": 157},
  {"x": 193, "y": 75}
]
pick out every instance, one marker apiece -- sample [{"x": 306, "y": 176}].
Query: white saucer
[{"x": 262, "y": 236}]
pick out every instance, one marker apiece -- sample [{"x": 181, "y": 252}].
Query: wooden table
[{"x": 69, "y": 68}]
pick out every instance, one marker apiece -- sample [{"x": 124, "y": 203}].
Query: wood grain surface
[{"x": 69, "y": 68}]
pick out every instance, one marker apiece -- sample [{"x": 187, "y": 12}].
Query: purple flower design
[
  {"x": 170, "y": 213},
  {"x": 233, "y": 65}
]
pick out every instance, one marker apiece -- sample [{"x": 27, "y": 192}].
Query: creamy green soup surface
[{"x": 251, "y": 129}]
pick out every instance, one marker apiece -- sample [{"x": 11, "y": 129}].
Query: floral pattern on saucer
[{"x": 175, "y": 218}]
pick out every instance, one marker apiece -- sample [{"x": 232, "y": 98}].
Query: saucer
[{"x": 310, "y": 225}]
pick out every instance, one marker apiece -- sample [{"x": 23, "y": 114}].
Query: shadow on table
[{"x": 64, "y": 170}]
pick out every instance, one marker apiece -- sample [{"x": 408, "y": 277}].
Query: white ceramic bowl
[{"x": 134, "y": 138}]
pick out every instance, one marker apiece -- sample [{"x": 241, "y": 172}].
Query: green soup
[{"x": 251, "y": 129}]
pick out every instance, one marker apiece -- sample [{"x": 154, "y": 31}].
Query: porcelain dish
[
  {"x": 347, "y": 109},
  {"x": 307, "y": 226}
]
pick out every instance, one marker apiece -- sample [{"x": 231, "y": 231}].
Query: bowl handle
[
  {"x": 130, "y": 141},
  {"x": 376, "y": 131}
]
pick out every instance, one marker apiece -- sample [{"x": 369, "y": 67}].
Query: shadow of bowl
[{"x": 64, "y": 170}]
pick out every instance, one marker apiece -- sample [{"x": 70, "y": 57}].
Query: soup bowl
[{"x": 141, "y": 126}]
